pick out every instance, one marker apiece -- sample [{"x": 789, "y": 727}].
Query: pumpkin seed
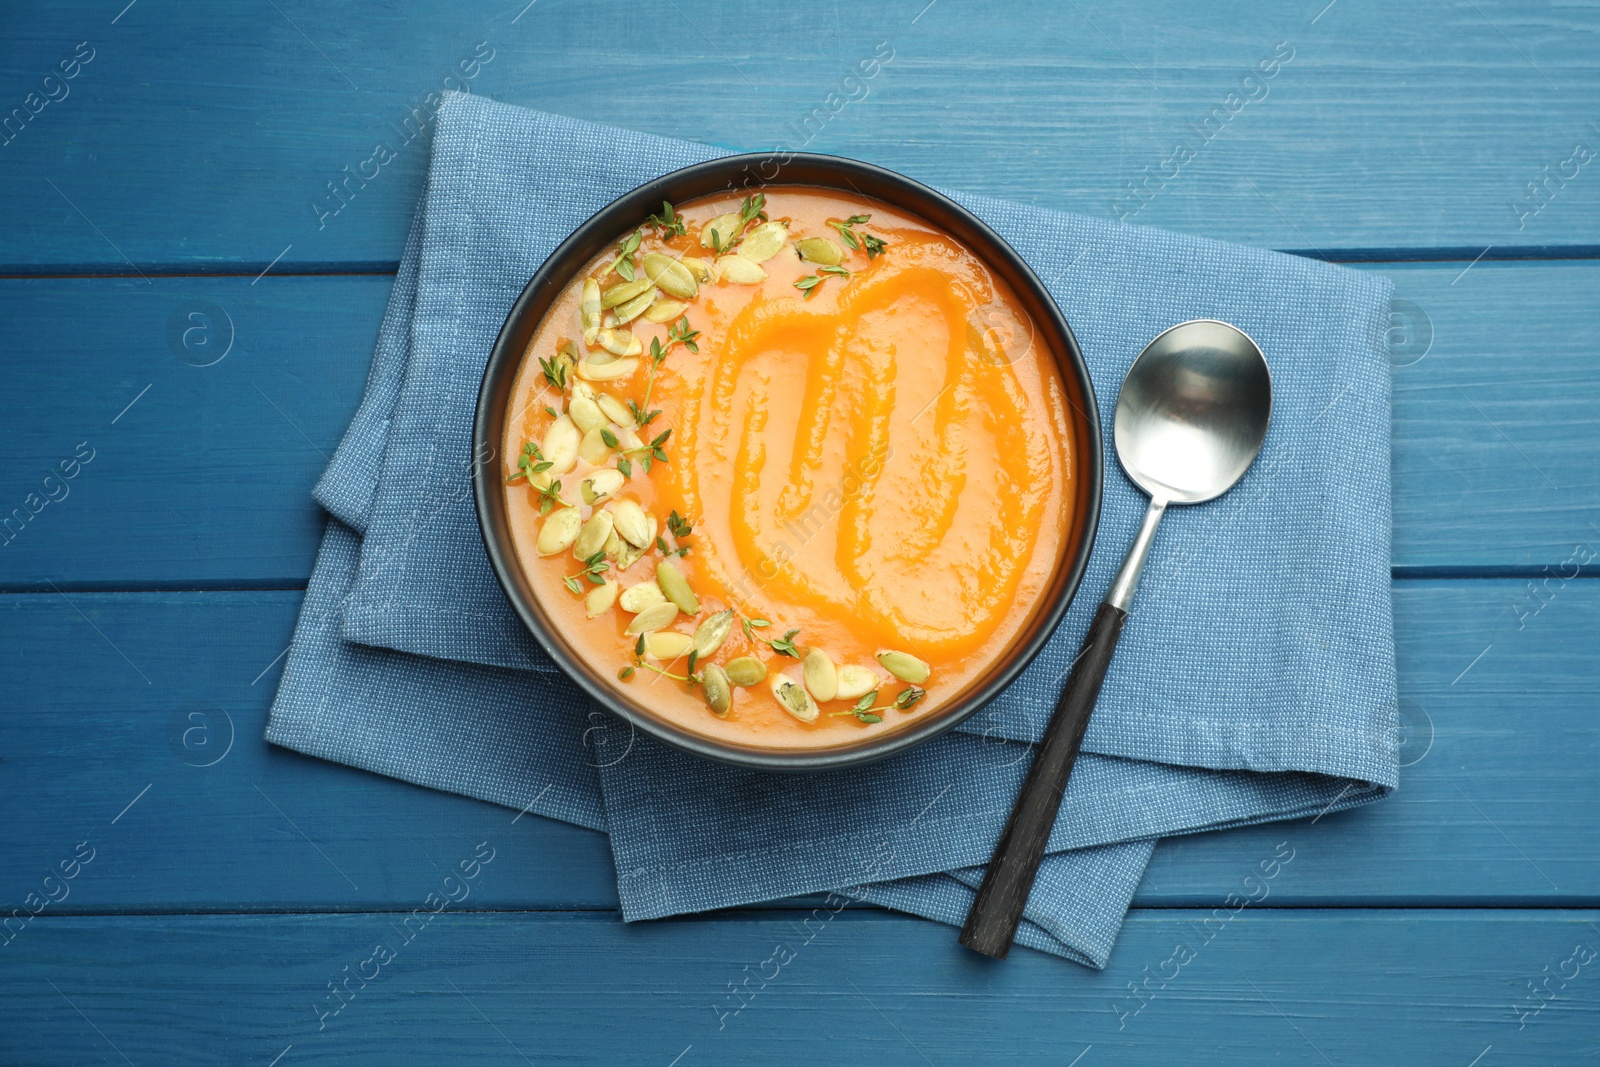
[
  {"x": 614, "y": 409},
  {"x": 568, "y": 355},
  {"x": 673, "y": 277},
  {"x": 746, "y": 670},
  {"x": 600, "y": 599},
  {"x": 822, "y": 681},
  {"x": 593, "y": 447},
  {"x": 717, "y": 689},
  {"x": 589, "y": 310},
  {"x": 667, "y": 645},
  {"x": 904, "y": 666},
  {"x": 561, "y": 446},
  {"x": 739, "y": 270},
  {"x": 699, "y": 268},
  {"x": 624, "y": 292},
  {"x": 633, "y": 525},
  {"x": 794, "y": 698},
  {"x": 655, "y": 617},
  {"x": 628, "y": 440},
  {"x": 709, "y": 635},
  {"x": 608, "y": 370},
  {"x": 646, "y": 594},
  {"x": 675, "y": 585},
  {"x": 820, "y": 250},
  {"x": 619, "y": 342},
  {"x": 585, "y": 413},
  {"x": 600, "y": 485},
  {"x": 560, "y": 529},
  {"x": 665, "y": 310},
  {"x": 855, "y": 682},
  {"x": 724, "y": 227},
  {"x": 592, "y": 537},
  {"x": 635, "y": 307},
  {"x": 764, "y": 242},
  {"x": 628, "y": 556}
]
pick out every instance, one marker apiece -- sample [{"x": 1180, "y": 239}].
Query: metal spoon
[{"x": 1190, "y": 420}]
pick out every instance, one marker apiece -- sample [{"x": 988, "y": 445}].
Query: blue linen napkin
[{"x": 1256, "y": 681}]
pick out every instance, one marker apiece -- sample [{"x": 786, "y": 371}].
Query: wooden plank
[
  {"x": 206, "y": 433},
  {"x": 1474, "y": 822},
  {"x": 1301, "y": 987},
  {"x": 206, "y": 480},
  {"x": 1496, "y": 451},
  {"x": 1426, "y": 143}
]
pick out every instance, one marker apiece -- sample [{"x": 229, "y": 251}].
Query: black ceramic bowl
[{"x": 872, "y": 184}]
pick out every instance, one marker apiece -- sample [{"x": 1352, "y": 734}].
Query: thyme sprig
[
  {"x": 784, "y": 646},
  {"x": 529, "y": 463},
  {"x": 753, "y": 208},
  {"x": 678, "y": 333},
  {"x": 874, "y": 246},
  {"x": 556, "y": 372},
  {"x": 669, "y": 222},
  {"x": 594, "y": 569},
  {"x": 808, "y": 284},
  {"x": 864, "y": 709},
  {"x": 626, "y": 248}
]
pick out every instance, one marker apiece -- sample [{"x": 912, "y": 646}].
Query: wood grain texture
[
  {"x": 206, "y": 480},
  {"x": 866, "y": 988},
  {"x": 200, "y": 137},
  {"x": 1494, "y": 806}
]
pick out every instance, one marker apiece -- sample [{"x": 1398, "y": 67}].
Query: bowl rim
[{"x": 731, "y": 173}]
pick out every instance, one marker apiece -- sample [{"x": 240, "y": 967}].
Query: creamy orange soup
[{"x": 788, "y": 468}]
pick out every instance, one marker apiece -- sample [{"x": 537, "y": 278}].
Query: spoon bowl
[{"x": 1193, "y": 411}]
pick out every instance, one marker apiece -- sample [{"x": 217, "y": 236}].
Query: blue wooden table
[{"x": 188, "y": 313}]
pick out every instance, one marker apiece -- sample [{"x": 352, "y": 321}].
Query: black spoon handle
[{"x": 992, "y": 922}]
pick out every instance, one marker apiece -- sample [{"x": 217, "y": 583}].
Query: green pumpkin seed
[
  {"x": 820, "y": 250},
  {"x": 718, "y": 692},
  {"x": 710, "y": 634},
  {"x": 655, "y": 617},
  {"x": 674, "y": 585},
  {"x": 746, "y": 671},
  {"x": 635, "y": 307},
  {"x": 764, "y": 242},
  {"x": 673, "y": 277},
  {"x": 904, "y": 666},
  {"x": 665, "y": 311},
  {"x": 592, "y": 537},
  {"x": 621, "y": 294}
]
